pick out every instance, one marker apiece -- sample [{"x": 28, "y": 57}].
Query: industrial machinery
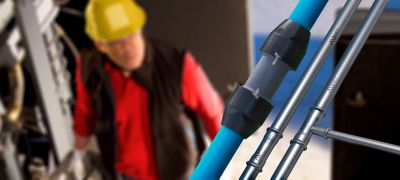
[{"x": 36, "y": 131}]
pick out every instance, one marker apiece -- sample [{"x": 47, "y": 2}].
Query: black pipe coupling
[
  {"x": 246, "y": 112},
  {"x": 289, "y": 40}
]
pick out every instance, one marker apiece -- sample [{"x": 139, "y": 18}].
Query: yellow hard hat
[{"x": 109, "y": 20}]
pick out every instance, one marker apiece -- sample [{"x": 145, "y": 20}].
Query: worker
[{"x": 141, "y": 97}]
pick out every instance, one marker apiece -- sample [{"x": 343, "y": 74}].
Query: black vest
[{"x": 161, "y": 75}]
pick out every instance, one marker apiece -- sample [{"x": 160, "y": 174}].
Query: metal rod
[
  {"x": 271, "y": 138},
  {"x": 303, "y": 136},
  {"x": 352, "y": 139}
]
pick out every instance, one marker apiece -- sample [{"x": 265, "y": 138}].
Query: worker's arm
[
  {"x": 84, "y": 114},
  {"x": 200, "y": 96},
  {"x": 83, "y": 126}
]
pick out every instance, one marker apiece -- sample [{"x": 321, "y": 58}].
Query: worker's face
[{"x": 127, "y": 52}]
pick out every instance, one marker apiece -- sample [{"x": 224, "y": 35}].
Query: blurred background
[{"x": 37, "y": 81}]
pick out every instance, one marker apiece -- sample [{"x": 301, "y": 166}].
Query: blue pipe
[
  {"x": 218, "y": 155},
  {"x": 307, "y": 12},
  {"x": 227, "y": 141}
]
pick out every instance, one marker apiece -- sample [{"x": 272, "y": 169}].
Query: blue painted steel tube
[
  {"x": 218, "y": 155},
  {"x": 307, "y": 12}
]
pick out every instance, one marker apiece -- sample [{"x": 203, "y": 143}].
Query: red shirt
[{"x": 136, "y": 156}]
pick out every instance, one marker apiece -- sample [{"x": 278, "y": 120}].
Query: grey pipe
[
  {"x": 274, "y": 133},
  {"x": 352, "y": 139},
  {"x": 303, "y": 136}
]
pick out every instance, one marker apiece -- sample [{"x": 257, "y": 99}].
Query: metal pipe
[
  {"x": 352, "y": 139},
  {"x": 14, "y": 111},
  {"x": 250, "y": 104},
  {"x": 68, "y": 41},
  {"x": 303, "y": 136},
  {"x": 274, "y": 133}
]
